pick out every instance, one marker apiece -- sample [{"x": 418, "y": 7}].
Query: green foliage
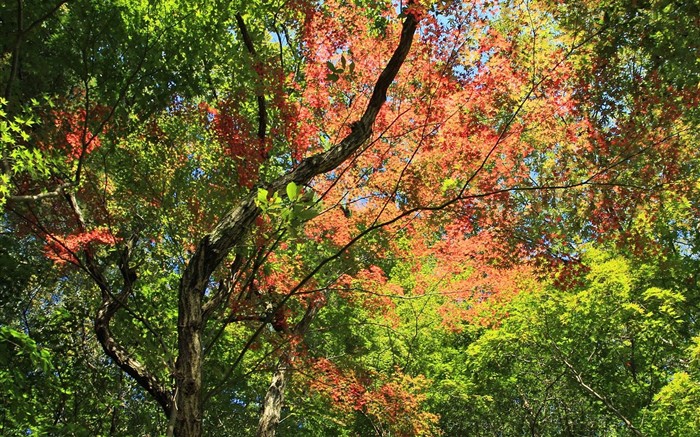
[
  {"x": 291, "y": 214},
  {"x": 674, "y": 411},
  {"x": 576, "y": 361},
  {"x": 22, "y": 160},
  {"x": 343, "y": 68},
  {"x": 22, "y": 363}
]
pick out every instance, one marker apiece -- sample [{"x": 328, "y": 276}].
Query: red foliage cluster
[
  {"x": 237, "y": 134},
  {"x": 73, "y": 134},
  {"x": 392, "y": 401},
  {"x": 66, "y": 249}
]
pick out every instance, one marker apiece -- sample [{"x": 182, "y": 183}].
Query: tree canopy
[{"x": 346, "y": 218}]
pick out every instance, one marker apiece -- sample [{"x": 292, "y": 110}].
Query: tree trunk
[
  {"x": 231, "y": 231},
  {"x": 188, "y": 368},
  {"x": 274, "y": 399}
]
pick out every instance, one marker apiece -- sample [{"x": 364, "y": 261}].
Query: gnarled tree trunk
[
  {"x": 233, "y": 229},
  {"x": 274, "y": 399}
]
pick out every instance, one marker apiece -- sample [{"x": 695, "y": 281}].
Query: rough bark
[
  {"x": 234, "y": 227},
  {"x": 274, "y": 398},
  {"x": 189, "y": 365}
]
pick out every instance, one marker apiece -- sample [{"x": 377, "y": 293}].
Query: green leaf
[
  {"x": 306, "y": 214},
  {"x": 262, "y": 195},
  {"x": 292, "y": 191}
]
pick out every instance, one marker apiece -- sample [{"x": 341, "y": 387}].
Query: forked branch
[{"x": 234, "y": 226}]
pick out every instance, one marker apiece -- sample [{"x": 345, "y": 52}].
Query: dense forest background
[{"x": 349, "y": 218}]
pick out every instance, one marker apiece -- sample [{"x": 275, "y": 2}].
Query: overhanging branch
[
  {"x": 123, "y": 359},
  {"x": 111, "y": 303},
  {"x": 235, "y": 225}
]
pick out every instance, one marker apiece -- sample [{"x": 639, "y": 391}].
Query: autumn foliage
[{"x": 369, "y": 201}]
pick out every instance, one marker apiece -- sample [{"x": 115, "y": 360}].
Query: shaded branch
[
  {"x": 111, "y": 303},
  {"x": 45, "y": 17},
  {"x": 15, "y": 54},
  {"x": 109, "y": 307},
  {"x": 123, "y": 359},
  {"x": 260, "y": 94},
  {"x": 21, "y": 33},
  {"x": 60, "y": 190}
]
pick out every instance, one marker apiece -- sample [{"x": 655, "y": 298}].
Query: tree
[
  {"x": 589, "y": 359},
  {"x": 212, "y": 176}
]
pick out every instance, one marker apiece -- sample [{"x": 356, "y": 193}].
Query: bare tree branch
[
  {"x": 60, "y": 190},
  {"x": 123, "y": 359},
  {"x": 577, "y": 376},
  {"x": 260, "y": 93}
]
